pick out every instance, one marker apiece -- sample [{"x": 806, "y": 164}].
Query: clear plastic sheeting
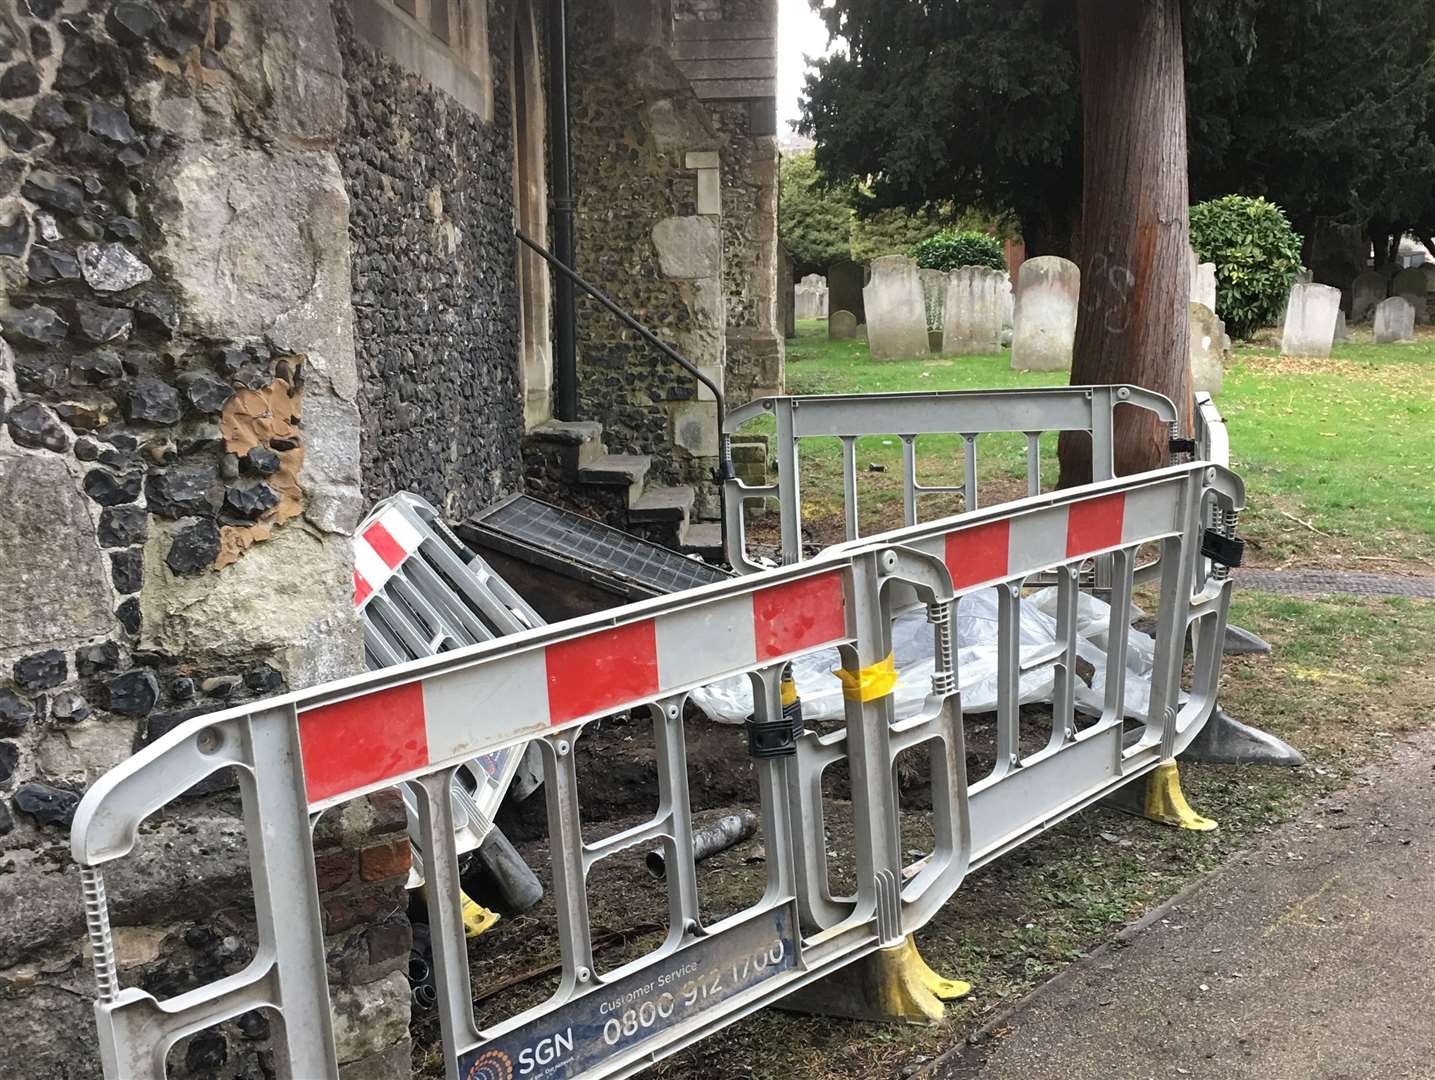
[{"x": 730, "y": 701}]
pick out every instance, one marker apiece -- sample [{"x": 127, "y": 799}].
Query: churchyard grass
[{"x": 1333, "y": 451}]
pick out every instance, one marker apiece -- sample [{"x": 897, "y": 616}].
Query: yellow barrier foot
[
  {"x": 894, "y": 985},
  {"x": 1165, "y": 803},
  {"x": 476, "y": 917}
]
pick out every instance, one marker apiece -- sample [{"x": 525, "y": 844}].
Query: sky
[{"x": 800, "y": 34}]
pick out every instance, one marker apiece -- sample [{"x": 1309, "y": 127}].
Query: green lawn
[{"x": 1333, "y": 451}]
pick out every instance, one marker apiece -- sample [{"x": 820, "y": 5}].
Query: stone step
[
  {"x": 663, "y": 514},
  {"x": 663, "y": 504},
  {"x": 618, "y": 470},
  {"x": 704, "y": 538},
  {"x": 578, "y": 442}
]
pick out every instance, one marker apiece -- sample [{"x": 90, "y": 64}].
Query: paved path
[
  {"x": 1317, "y": 582},
  {"x": 1311, "y": 957}
]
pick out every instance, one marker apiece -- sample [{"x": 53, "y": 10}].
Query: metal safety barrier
[
  {"x": 908, "y": 416},
  {"x": 421, "y": 592},
  {"x": 298, "y": 755}
]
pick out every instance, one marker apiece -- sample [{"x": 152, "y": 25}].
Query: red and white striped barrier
[
  {"x": 416, "y": 723},
  {"x": 387, "y": 734},
  {"x": 379, "y": 550}
]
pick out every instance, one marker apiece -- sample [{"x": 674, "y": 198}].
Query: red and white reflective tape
[
  {"x": 380, "y": 548},
  {"x": 406, "y": 729},
  {"x": 1040, "y": 539}
]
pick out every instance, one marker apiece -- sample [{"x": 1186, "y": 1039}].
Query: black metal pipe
[
  {"x": 725, "y": 470},
  {"x": 565, "y": 317}
]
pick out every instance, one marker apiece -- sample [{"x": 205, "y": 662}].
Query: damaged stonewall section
[{"x": 178, "y": 433}]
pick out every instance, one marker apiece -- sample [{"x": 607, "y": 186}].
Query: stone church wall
[
  {"x": 179, "y": 477},
  {"x": 702, "y": 275},
  {"x": 435, "y": 302}
]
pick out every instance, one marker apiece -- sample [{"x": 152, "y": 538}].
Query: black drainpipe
[{"x": 565, "y": 359}]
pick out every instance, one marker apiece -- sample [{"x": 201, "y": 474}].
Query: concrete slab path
[{"x": 1311, "y": 957}]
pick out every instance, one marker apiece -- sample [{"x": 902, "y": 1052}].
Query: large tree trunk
[
  {"x": 1379, "y": 234},
  {"x": 1134, "y": 229}
]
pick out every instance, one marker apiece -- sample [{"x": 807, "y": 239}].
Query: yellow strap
[
  {"x": 789, "y": 690},
  {"x": 870, "y": 683}
]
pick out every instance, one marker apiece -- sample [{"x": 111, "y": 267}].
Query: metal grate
[{"x": 533, "y": 523}]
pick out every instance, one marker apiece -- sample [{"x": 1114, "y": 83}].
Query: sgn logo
[
  {"x": 491, "y": 1065},
  {"x": 545, "y": 1052}
]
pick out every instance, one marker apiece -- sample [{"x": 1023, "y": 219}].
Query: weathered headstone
[
  {"x": 841, "y": 325},
  {"x": 1412, "y": 284},
  {"x": 1302, "y": 277},
  {"x": 811, "y": 298},
  {"x": 786, "y": 293},
  {"x": 1008, "y": 313},
  {"x": 896, "y": 317},
  {"x": 934, "y": 296},
  {"x": 1203, "y": 285},
  {"x": 1341, "y": 333},
  {"x": 1208, "y": 348},
  {"x": 1367, "y": 290},
  {"x": 973, "y": 311},
  {"x": 1394, "y": 320},
  {"x": 1310, "y": 320},
  {"x": 844, "y": 288},
  {"x": 1047, "y": 291}
]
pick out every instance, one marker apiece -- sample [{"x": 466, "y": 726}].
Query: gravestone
[
  {"x": 1310, "y": 320},
  {"x": 1302, "y": 277},
  {"x": 786, "y": 293},
  {"x": 1203, "y": 285},
  {"x": 844, "y": 288},
  {"x": 896, "y": 316},
  {"x": 811, "y": 299},
  {"x": 1341, "y": 334},
  {"x": 1209, "y": 348},
  {"x": 1047, "y": 291},
  {"x": 1412, "y": 284},
  {"x": 1367, "y": 290},
  {"x": 973, "y": 310},
  {"x": 1008, "y": 312},
  {"x": 934, "y": 296},
  {"x": 1394, "y": 320},
  {"x": 841, "y": 325}
]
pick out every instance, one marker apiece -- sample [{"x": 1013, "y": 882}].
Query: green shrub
[
  {"x": 1256, "y": 253},
  {"x": 950, "y": 249}
]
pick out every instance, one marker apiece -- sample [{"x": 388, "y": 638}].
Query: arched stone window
[{"x": 530, "y": 213}]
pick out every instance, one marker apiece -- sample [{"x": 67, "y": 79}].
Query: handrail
[{"x": 724, "y": 470}]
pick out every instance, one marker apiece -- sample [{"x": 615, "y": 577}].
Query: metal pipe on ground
[
  {"x": 727, "y": 831},
  {"x": 516, "y": 887}
]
